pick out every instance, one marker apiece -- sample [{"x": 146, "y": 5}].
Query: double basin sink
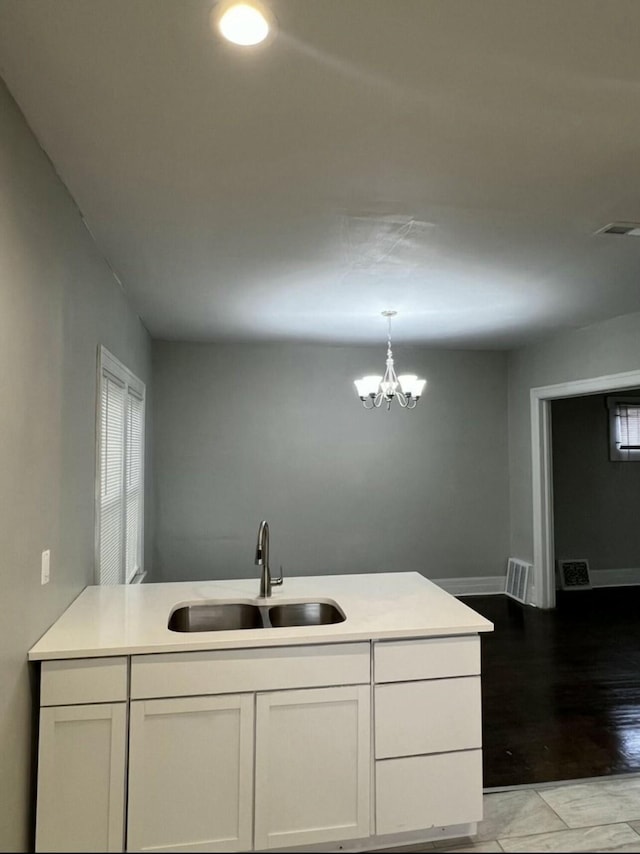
[{"x": 228, "y": 616}]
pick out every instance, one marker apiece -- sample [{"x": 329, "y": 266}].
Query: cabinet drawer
[
  {"x": 83, "y": 680},
  {"x": 427, "y": 717},
  {"x": 432, "y": 658},
  {"x": 233, "y": 671},
  {"x": 422, "y": 791}
]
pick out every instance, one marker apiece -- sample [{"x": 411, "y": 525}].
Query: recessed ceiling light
[{"x": 242, "y": 23}]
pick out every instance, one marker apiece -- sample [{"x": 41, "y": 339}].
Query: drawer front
[
  {"x": 83, "y": 680},
  {"x": 426, "y": 791},
  {"x": 432, "y": 658},
  {"x": 233, "y": 671},
  {"x": 427, "y": 717}
]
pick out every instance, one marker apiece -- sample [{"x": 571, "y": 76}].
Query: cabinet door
[
  {"x": 312, "y": 766},
  {"x": 81, "y": 778},
  {"x": 191, "y": 774}
]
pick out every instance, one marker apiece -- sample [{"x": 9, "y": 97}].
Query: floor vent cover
[
  {"x": 517, "y": 579},
  {"x": 574, "y": 574}
]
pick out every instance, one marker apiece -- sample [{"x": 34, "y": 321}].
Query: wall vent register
[
  {"x": 574, "y": 574},
  {"x": 517, "y": 579}
]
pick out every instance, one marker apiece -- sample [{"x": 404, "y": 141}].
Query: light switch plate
[{"x": 46, "y": 567}]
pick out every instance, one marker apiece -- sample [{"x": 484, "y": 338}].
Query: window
[
  {"x": 119, "y": 473},
  {"x": 624, "y": 428}
]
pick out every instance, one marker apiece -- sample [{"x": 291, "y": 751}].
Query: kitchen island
[{"x": 355, "y": 735}]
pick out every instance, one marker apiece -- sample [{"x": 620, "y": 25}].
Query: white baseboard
[
  {"x": 614, "y": 577},
  {"x": 489, "y": 585},
  {"x": 474, "y": 586}
]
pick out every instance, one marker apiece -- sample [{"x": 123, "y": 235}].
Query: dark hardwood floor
[{"x": 561, "y": 688}]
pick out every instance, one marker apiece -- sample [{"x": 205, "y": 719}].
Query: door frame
[{"x": 542, "y": 471}]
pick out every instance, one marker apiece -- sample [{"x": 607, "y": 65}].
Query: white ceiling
[{"x": 446, "y": 158}]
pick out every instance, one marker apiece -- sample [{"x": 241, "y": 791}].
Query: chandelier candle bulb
[{"x": 406, "y": 389}]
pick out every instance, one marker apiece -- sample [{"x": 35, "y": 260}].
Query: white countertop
[{"x": 132, "y": 619}]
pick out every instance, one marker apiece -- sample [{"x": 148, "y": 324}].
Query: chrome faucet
[{"x": 262, "y": 559}]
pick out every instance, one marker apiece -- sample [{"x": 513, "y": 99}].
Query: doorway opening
[
  {"x": 561, "y": 697},
  {"x": 544, "y": 586}
]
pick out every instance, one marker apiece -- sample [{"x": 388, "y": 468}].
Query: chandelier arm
[{"x": 364, "y": 403}]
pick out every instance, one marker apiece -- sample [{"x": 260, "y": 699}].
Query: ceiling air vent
[{"x": 630, "y": 229}]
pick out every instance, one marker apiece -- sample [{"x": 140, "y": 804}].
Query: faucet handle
[{"x": 276, "y": 582}]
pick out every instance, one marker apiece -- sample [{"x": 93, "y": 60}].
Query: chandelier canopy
[{"x": 375, "y": 390}]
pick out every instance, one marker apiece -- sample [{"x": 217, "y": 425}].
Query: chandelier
[{"x": 406, "y": 389}]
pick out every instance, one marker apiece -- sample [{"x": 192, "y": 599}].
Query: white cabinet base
[{"x": 257, "y": 749}]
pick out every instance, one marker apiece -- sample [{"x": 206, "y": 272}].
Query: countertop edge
[{"x": 237, "y": 643}]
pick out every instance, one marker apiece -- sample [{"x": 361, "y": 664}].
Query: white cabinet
[
  {"x": 81, "y": 778},
  {"x": 428, "y": 734},
  {"x": 313, "y": 752},
  {"x": 264, "y": 748},
  {"x": 191, "y": 758},
  {"x": 191, "y": 774}
]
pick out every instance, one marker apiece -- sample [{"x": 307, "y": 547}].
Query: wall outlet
[{"x": 46, "y": 567}]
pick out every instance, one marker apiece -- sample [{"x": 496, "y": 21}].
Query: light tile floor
[{"x": 596, "y": 815}]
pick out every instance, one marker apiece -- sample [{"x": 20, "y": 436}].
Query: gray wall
[
  {"x": 604, "y": 348},
  {"x": 596, "y": 499},
  {"x": 57, "y": 302},
  {"x": 276, "y": 431}
]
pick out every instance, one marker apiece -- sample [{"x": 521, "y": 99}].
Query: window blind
[
  {"x": 134, "y": 472},
  {"x": 120, "y": 472},
  {"x": 628, "y": 423},
  {"x": 111, "y": 479}
]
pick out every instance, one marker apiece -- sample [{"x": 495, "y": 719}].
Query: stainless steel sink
[
  {"x": 220, "y": 617},
  {"x": 305, "y": 614},
  {"x": 229, "y": 616}
]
